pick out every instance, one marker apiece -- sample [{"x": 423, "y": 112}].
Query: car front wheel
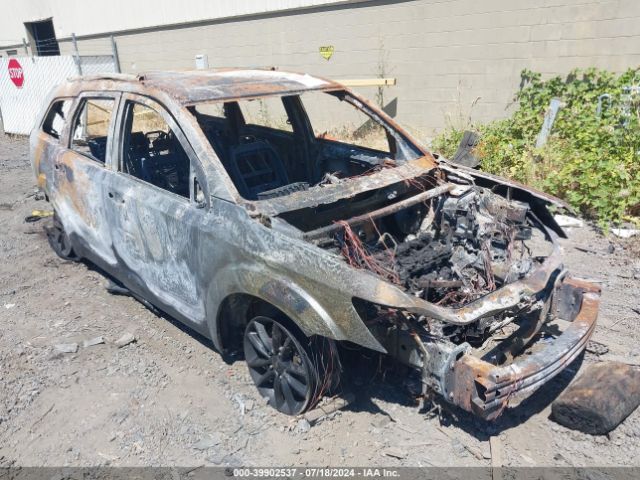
[{"x": 285, "y": 366}]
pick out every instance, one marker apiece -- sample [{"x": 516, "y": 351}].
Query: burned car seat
[
  {"x": 98, "y": 148},
  {"x": 137, "y": 148},
  {"x": 160, "y": 161},
  {"x": 256, "y": 167}
]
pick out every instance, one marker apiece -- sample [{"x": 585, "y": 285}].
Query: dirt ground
[{"x": 169, "y": 398}]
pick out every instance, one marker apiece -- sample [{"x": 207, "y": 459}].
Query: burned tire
[
  {"x": 288, "y": 369},
  {"x": 59, "y": 240}
]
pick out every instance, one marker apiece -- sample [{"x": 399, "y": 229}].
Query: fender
[{"x": 305, "y": 310}]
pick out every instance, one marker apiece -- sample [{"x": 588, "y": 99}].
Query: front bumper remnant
[{"x": 485, "y": 389}]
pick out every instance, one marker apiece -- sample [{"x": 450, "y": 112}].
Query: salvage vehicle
[{"x": 283, "y": 216}]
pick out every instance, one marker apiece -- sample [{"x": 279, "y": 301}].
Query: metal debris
[
  {"x": 464, "y": 155},
  {"x": 596, "y": 348},
  {"x": 603, "y": 396}
]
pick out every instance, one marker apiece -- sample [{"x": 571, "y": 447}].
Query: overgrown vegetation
[{"x": 591, "y": 159}]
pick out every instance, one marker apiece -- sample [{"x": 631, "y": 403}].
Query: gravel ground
[{"x": 169, "y": 398}]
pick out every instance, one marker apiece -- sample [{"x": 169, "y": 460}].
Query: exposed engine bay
[
  {"x": 449, "y": 250},
  {"x": 464, "y": 247}
]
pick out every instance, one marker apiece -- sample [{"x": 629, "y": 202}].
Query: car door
[
  {"x": 154, "y": 210},
  {"x": 81, "y": 171}
]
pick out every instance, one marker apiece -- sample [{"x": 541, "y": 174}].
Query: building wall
[
  {"x": 90, "y": 17},
  {"x": 453, "y": 59}
]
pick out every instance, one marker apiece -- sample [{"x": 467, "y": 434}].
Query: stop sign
[{"x": 15, "y": 72}]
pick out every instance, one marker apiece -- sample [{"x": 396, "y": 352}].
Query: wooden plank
[{"x": 368, "y": 82}]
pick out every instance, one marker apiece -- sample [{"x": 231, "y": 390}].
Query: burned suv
[{"x": 283, "y": 216}]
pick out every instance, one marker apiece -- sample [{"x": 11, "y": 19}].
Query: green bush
[{"x": 591, "y": 161}]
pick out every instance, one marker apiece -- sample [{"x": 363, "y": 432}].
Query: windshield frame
[{"x": 420, "y": 161}]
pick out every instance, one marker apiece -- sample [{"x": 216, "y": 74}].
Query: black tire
[
  {"x": 290, "y": 370},
  {"x": 59, "y": 240}
]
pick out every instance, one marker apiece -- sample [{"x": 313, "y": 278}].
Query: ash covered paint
[{"x": 190, "y": 258}]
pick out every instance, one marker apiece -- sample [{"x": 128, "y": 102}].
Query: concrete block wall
[{"x": 453, "y": 59}]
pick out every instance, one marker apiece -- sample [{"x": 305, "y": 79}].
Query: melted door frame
[
  {"x": 156, "y": 233},
  {"x": 79, "y": 181}
]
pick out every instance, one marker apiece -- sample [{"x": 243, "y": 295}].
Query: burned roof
[
  {"x": 197, "y": 86},
  {"x": 188, "y": 87}
]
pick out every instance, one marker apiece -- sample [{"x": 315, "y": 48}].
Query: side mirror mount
[{"x": 198, "y": 195}]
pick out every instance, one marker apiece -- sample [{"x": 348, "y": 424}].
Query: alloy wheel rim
[{"x": 276, "y": 365}]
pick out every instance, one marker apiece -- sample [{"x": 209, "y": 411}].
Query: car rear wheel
[
  {"x": 285, "y": 366},
  {"x": 59, "y": 240}
]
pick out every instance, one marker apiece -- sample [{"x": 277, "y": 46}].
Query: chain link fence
[{"x": 26, "y": 81}]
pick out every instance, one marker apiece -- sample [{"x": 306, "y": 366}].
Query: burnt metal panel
[{"x": 486, "y": 389}]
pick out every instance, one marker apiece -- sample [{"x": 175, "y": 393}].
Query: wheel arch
[
  {"x": 251, "y": 288},
  {"x": 234, "y": 313}
]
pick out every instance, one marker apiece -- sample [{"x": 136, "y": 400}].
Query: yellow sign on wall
[{"x": 327, "y": 52}]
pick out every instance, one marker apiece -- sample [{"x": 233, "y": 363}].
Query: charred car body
[{"x": 237, "y": 202}]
